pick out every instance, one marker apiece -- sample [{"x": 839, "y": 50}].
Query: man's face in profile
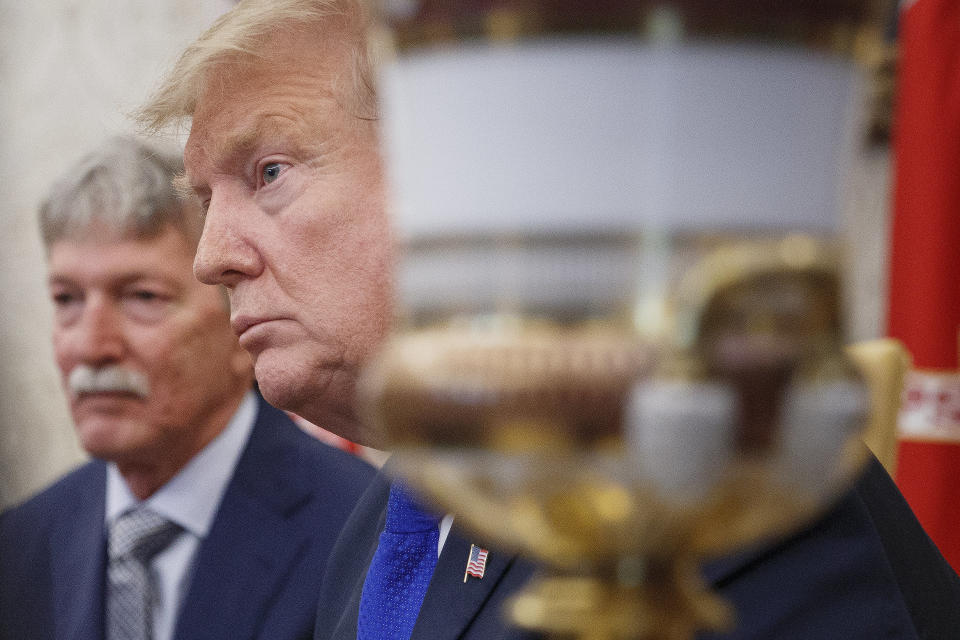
[
  {"x": 146, "y": 352},
  {"x": 295, "y": 227}
]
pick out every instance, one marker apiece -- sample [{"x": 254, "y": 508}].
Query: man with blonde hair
[
  {"x": 283, "y": 157},
  {"x": 206, "y": 513},
  {"x": 284, "y": 145}
]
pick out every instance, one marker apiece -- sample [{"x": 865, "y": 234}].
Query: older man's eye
[
  {"x": 146, "y": 304},
  {"x": 62, "y": 299},
  {"x": 271, "y": 172}
]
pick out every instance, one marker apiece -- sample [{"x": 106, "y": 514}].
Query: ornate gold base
[{"x": 672, "y": 603}]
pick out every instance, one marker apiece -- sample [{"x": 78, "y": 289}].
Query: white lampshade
[{"x": 607, "y": 134}]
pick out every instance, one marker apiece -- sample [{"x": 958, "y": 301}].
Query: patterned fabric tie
[
  {"x": 400, "y": 572},
  {"x": 135, "y": 538}
]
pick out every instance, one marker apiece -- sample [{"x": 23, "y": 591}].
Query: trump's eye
[
  {"x": 271, "y": 171},
  {"x": 144, "y": 295}
]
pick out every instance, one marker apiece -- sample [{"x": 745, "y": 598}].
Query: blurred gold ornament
[{"x": 617, "y": 376}]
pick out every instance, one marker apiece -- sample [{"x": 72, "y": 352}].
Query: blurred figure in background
[{"x": 205, "y": 512}]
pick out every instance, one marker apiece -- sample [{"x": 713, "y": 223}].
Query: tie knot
[
  {"x": 141, "y": 534},
  {"x": 406, "y": 515}
]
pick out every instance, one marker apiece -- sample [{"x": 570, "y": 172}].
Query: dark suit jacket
[
  {"x": 256, "y": 575},
  {"x": 864, "y": 571}
]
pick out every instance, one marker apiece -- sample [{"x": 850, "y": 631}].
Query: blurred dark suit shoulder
[{"x": 255, "y": 575}]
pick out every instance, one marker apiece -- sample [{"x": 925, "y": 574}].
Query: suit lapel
[
  {"x": 246, "y": 556},
  {"x": 451, "y": 604},
  {"x": 250, "y": 549},
  {"x": 346, "y": 625},
  {"x": 78, "y": 564},
  {"x": 362, "y": 540}
]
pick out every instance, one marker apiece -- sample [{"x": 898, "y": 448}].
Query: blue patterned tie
[{"x": 400, "y": 571}]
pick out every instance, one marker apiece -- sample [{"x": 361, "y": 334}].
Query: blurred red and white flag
[{"x": 925, "y": 264}]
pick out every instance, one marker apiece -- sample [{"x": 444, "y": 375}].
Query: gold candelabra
[{"x": 618, "y": 396}]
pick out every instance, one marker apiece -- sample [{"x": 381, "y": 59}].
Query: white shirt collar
[{"x": 191, "y": 497}]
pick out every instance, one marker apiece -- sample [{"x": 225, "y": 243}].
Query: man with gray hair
[{"x": 205, "y": 512}]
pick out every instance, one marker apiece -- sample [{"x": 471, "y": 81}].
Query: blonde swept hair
[{"x": 240, "y": 35}]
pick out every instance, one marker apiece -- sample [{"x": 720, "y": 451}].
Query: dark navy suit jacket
[
  {"x": 864, "y": 571},
  {"x": 256, "y": 575}
]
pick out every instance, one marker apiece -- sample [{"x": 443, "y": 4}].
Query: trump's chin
[{"x": 325, "y": 397}]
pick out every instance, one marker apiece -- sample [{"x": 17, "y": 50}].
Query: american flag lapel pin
[{"x": 476, "y": 563}]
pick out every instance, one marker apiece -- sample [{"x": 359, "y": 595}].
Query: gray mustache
[{"x": 111, "y": 378}]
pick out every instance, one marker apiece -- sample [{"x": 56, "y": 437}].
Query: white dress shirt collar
[{"x": 191, "y": 497}]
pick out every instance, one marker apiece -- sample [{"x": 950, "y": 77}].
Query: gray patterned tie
[{"x": 135, "y": 538}]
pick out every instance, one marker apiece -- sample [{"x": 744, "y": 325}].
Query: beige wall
[{"x": 69, "y": 70}]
